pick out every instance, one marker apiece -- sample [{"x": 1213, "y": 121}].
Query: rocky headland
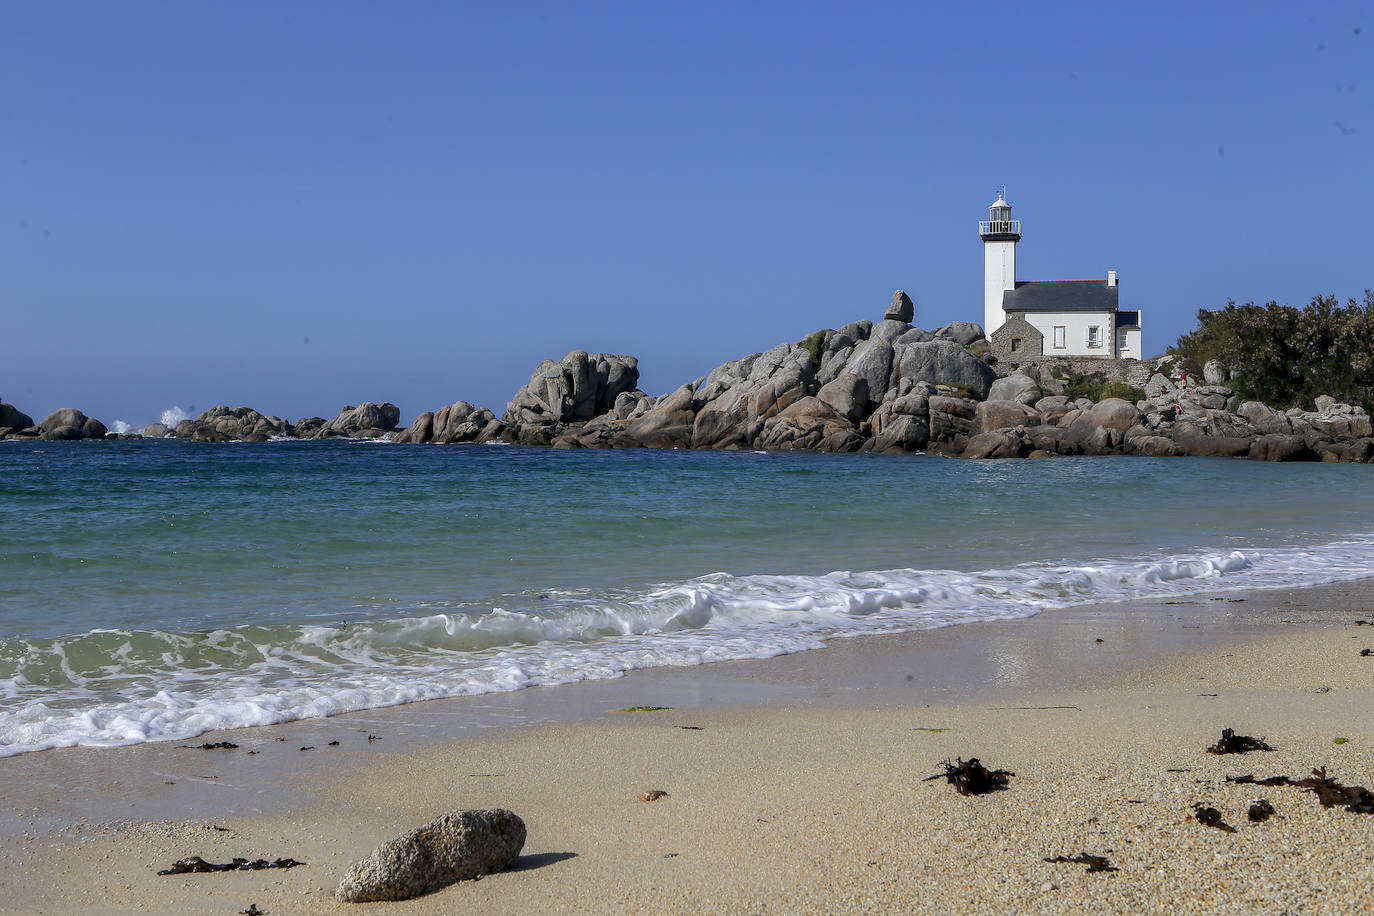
[{"x": 887, "y": 386}]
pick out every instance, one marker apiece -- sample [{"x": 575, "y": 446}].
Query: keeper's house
[{"x": 1035, "y": 319}]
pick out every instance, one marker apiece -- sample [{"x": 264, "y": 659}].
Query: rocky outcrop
[
  {"x": 902, "y": 308},
  {"x": 366, "y": 421},
  {"x": 69, "y": 423},
  {"x": 226, "y": 424},
  {"x": 455, "y": 847},
  {"x": 13, "y": 420},
  {"x": 1016, "y": 387},
  {"x": 580, "y": 386},
  {"x": 460, "y": 422}
]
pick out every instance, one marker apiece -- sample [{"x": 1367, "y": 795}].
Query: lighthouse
[{"x": 1000, "y": 233}]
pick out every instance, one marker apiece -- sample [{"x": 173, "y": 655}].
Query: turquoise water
[{"x": 157, "y": 589}]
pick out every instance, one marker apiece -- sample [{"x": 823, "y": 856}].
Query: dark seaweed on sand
[
  {"x": 1094, "y": 863},
  {"x": 194, "y": 864},
  {"x": 211, "y": 746},
  {"x": 1261, "y": 810},
  {"x": 1231, "y": 743},
  {"x": 970, "y": 777},
  {"x": 1331, "y": 794},
  {"x": 1211, "y": 817}
]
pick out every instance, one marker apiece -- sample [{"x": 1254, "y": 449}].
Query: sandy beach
[{"x": 794, "y": 785}]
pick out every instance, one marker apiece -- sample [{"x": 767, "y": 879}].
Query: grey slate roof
[{"x": 1061, "y": 296}]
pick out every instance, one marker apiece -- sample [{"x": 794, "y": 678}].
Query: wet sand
[{"x": 797, "y": 788}]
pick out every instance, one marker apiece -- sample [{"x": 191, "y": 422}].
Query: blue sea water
[{"x": 157, "y": 589}]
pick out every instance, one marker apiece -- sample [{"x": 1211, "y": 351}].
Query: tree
[{"x": 1285, "y": 356}]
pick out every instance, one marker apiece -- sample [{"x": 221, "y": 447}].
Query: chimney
[{"x": 1111, "y": 278}]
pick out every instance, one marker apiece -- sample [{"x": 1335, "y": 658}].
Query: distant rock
[
  {"x": 580, "y": 386},
  {"x": 455, "y": 847},
  {"x": 459, "y": 422},
  {"x": 226, "y": 424},
  {"x": 368, "y": 420},
  {"x": 69, "y": 423},
  {"x": 13, "y": 418},
  {"x": 901, "y": 309}
]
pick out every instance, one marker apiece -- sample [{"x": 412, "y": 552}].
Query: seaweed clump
[
  {"x": 1331, "y": 794},
  {"x": 195, "y": 864},
  {"x": 1231, "y": 743},
  {"x": 1211, "y": 817},
  {"x": 1094, "y": 863},
  {"x": 970, "y": 777}
]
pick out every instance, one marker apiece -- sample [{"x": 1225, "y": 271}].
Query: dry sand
[{"x": 816, "y": 805}]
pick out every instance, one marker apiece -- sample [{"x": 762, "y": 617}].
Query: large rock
[
  {"x": 944, "y": 362},
  {"x": 12, "y": 417},
  {"x": 1202, "y": 445},
  {"x": 961, "y": 332},
  {"x": 1016, "y": 387},
  {"x": 1275, "y": 447},
  {"x": 1265, "y": 419},
  {"x": 69, "y": 423},
  {"x": 1159, "y": 385},
  {"x": 229, "y": 423},
  {"x": 668, "y": 425},
  {"x": 847, "y": 396},
  {"x": 901, "y": 309},
  {"x": 871, "y": 361},
  {"x": 1214, "y": 372},
  {"x": 1002, "y": 443},
  {"x": 810, "y": 424},
  {"x": 580, "y": 386},
  {"x": 369, "y": 420},
  {"x": 889, "y": 329},
  {"x": 455, "y": 847},
  {"x": 459, "y": 422},
  {"x": 1114, "y": 413},
  {"x": 990, "y": 415}
]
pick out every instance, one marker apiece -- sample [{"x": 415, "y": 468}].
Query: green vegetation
[
  {"x": 933, "y": 731},
  {"x": 643, "y": 709},
  {"x": 1095, "y": 387},
  {"x": 953, "y": 390},
  {"x": 1340, "y": 740},
  {"x": 978, "y": 348},
  {"x": 815, "y": 345},
  {"x": 1285, "y": 356}
]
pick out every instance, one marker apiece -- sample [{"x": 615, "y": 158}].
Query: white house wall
[
  {"x": 1075, "y": 325},
  {"x": 1128, "y": 343}
]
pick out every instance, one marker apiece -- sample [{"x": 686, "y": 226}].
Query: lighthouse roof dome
[{"x": 1001, "y": 201}]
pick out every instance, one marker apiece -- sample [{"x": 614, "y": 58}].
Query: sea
[{"x": 152, "y": 590}]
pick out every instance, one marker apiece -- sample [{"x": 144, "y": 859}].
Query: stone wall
[
  {"x": 1017, "y": 340},
  {"x": 1135, "y": 372}
]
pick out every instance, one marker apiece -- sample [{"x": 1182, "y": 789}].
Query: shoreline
[{"x": 570, "y": 766}]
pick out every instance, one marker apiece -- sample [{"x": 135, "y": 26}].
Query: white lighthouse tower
[{"x": 1000, "y": 234}]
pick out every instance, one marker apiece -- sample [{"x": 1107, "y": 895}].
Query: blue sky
[{"x": 303, "y": 205}]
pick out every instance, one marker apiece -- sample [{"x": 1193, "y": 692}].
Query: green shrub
[
  {"x": 814, "y": 344},
  {"x": 1095, "y": 387}
]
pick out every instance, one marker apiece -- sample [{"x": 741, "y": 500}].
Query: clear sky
[{"x": 296, "y": 206}]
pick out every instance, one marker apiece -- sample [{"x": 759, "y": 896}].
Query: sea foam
[{"x": 116, "y": 687}]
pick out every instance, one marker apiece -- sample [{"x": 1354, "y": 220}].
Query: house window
[
  {"x": 1059, "y": 337},
  {"x": 1094, "y": 335},
  {"x": 1015, "y": 344}
]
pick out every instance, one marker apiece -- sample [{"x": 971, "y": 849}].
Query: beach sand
[{"x": 795, "y": 785}]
